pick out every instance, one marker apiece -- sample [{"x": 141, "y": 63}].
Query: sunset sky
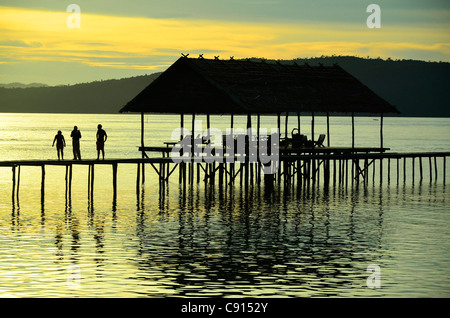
[{"x": 127, "y": 38}]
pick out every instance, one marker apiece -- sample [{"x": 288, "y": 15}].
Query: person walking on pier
[
  {"x": 101, "y": 139},
  {"x": 60, "y": 144},
  {"x": 76, "y": 136}
]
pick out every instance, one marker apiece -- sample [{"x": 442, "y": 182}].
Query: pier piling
[{"x": 294, "y": 170}]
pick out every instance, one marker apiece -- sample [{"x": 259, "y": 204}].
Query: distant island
[{"x": 416, "y": 88}]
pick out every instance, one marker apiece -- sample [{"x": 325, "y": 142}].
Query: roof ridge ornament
[{"x": 184, "y": 55}]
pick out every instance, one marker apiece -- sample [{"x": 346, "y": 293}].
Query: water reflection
[
  {"x": 257, "y": 240},
  {"x": 219, "y": 241}
]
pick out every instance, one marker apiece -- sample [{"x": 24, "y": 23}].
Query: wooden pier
[{"x": 297, "y": 170}]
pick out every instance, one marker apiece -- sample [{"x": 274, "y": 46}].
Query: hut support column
[
  {"x": 258, "y": 139},
  {"x": 381, "y": 131},
  {"x": 286, "y": 127},
  {"x": 278, "y": 127},
  {"x": 142, "y": 145},
  {"x": 191, "y": 166},
  {"x": 353, "y": 130},
  {"x": 328, "y": 129},
  {"x": 182, "y": 167}
]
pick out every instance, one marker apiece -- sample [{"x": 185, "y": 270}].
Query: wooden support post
[
  {"x": 42, "y": 183},
  {"x": 356, "y": 163},
  {"x": 364, "y": 173},
  {"x": 328, "y": 129},
  {"x": 89, "y": 179},
  {"x": 221, "y": 172},
  {"x": 138, "y": 175},
  {"x": 420, "y": 169},
  {"x": 286, "y": 128},
  {"x": 278, "y": 126},
  {"x": 143, "y": 173},
  {"x": 142, "y": 134},
  {"x": 353, "y": 130},
  {"x": 312, "y": 127},
  {"x": 167, "y": 173},
  {"x": 18, "y": 182},
  {"x": 209, "y": 167},
  {"x": 318, "y": 170},
  {"x": 114, "y": 168},
  {"x": 346, "y": 173},
  {"x": 191, "y": 165},
  {"x": 389, "y": 170},
  {"x": 180, "y": 166},
  {"x": 435, "y": 169},
  {"x": 334, "y": 172},
  {"x": 67, "y": 179},
  {"x": 161, "y": 172},
  {"x": 326, "y": 173},
  {"x": 373, "y": 170},
  {"x": 353, "y": 170},
  {"x": 308, "y": 172},
  {"x": 92, "y": 181},
  {"x": 398, "y": 170},
  {"x": 258, "y": 136},
  {"x": 313, "y": 171},
  {"x": 13, "y": 181},
  {"x": 431, "y": 172},
  {"x": 444, "y": 173},
  {"x": 70, "y": 180},
  {"x": 413, "y": 168},
  {"x": 404, "y": 169},
  {"x": 381, "y": 170},
  {"x": 381, "y": 130}
]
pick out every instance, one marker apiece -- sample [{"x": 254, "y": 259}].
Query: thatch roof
[{"x": 216, "y": 86}]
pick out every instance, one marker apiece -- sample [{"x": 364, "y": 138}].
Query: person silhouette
[
  {"x": 60, "y": 144},
  {"x": 101, "y": 139},
  {"x": 76, "y": 136}
]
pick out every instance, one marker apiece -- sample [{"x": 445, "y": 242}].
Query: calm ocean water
[{"x": 218, "y": 241}]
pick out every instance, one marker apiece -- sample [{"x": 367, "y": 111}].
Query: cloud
[
  {"x": 139, "y": 43},
  {"x": 15, "y": 43}
]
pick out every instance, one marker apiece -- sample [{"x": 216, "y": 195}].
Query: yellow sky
[{"x": 135, "y": 43}]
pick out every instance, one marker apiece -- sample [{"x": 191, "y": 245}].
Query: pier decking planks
[{"x": 305, "y": 168}]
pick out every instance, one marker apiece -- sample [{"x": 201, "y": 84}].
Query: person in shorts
[
  {"x": 60, "y": 144},
  {"x": 76, "y": 136},
  {"x": 101, "y": 139}
]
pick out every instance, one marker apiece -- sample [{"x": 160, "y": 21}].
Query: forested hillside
[{"x": 416, "y": 88}]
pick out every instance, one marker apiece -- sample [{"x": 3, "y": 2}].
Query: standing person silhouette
[
  {"x": 76, "y": 135},
  {"x": 101, "y": 139},
  {"x": 60, "y": 144}
]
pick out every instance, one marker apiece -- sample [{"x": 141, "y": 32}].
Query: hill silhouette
[
  {"x": 100, "y": 97},
  {"x": 416, "y": 88}
]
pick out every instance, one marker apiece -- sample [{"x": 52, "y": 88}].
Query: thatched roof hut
[
  {"x": 246, "y": 87},
  {"x": 206, "y": 86}
]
